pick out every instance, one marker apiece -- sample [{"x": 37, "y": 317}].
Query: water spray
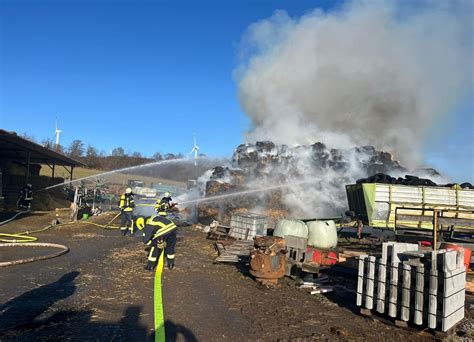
[
  {"x": 244, "y": 192},
  {"x": 108, "y": 173}
]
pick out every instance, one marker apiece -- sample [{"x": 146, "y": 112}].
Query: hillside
[{"x": 118, "y": 178}]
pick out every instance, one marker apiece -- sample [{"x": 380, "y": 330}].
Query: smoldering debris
[{"x": 315, "y": 175}]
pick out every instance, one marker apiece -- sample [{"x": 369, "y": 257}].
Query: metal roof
[{"x": 16, "y": 148}]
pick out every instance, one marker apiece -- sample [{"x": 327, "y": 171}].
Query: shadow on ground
[
  {"x": 30, "y": 317},
  {"x": 21, "y": 311}
]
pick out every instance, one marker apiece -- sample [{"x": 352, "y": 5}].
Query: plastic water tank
[
  {"x": 322, "y": 234},
  {"x": 291, "y": 227}
]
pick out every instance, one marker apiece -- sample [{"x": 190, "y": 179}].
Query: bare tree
[
  {"x": 76, "y": 149},
  {"x": 48, "y": 143},
  {"x": 118, "y": 152},
  {"x": 27, "y": 136}
]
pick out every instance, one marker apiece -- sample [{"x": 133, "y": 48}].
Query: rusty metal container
[{"x": 267, "y": 260}]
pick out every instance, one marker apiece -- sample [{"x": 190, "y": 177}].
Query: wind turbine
[
  {"x": 195, "y": 150},
  {"x": 57, "y": 132}
]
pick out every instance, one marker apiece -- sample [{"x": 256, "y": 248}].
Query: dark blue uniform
[{"x": 160, "y": 234}]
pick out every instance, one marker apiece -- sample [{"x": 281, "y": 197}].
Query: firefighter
[
  {"x": 166, "y": 203},
  {"x": 158, "y": 208},
  {"x": 159, "y": 232},
  {"x": 26, "y": 196},
  {"x": 126, "y": 206}
]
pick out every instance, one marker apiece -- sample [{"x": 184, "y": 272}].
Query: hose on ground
[
  {"x": 24, "y": 239},
  {"x": 108, "y": 225},
  {"x": 63, "y": 250},
  {"x": 14, "y": 217}
]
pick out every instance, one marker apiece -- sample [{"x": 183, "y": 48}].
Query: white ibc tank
[
  {"x": 322, "y": 234},
  {"x": 291, "y": 227}
]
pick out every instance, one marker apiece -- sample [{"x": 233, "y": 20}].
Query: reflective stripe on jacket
[
  {"x": 156, "y": 227},
  {"x": 127, "y": 203}
]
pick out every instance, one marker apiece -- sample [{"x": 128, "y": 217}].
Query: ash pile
[{"x": 315, "y": 176}]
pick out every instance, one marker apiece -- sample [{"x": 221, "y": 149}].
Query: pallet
[
  {"x": 235, "y": 252},
  {"x": 404, "y": 325}
]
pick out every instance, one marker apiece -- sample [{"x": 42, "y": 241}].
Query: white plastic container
[
  {"x": 291, "y": 227},
  {"x": 247, "y": 226},
  {"x": 322, "y": 234}
]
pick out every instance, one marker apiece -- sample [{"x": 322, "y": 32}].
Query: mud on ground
[{"x": 100, "y": 291}]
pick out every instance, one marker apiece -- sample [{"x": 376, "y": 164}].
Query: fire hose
[
  {"x": 108, "y": 225},
  {"x": 62, "y": 250},
  {"x": 158, "y": 302},
  {"x": 14, "y": 217},
  {"x": 24, "y": 239}
]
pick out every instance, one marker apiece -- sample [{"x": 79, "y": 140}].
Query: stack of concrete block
[{"x": 426, "y": 288}]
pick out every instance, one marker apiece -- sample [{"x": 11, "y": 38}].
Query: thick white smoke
[{"x": 370, "y": 73}]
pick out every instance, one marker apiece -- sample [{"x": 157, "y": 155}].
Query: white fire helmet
[
  {"x": 128, "y": 190},
  {"x": 167, "y": 194}
]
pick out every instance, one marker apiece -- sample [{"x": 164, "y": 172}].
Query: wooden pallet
[
  {"x": 235, "y": 252},
  {"x": 404, "y": 325}
]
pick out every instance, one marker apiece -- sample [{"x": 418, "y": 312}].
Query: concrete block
[
  {"x": 451, "y": 320},
  {"x": 393, "y": 294},
  {"x": 452, "y": 303},
  {"x": 361, "y": 279},
  {"x": 386, "y": 251},
  {"x": 295, "y": 242},
  {"x": 381, "y": 286},
  {"x": 406, "y": 292},
  {"x": 399, "y": 247},
  {"x": 454, "y": 281},
  {"x": 370, "y": 276},
  {"x": 419, "y": 294},
  {"x": 433, "y": 293},
  {"x": 460, "y": 259},
  {"x": 449, "y": 260}
]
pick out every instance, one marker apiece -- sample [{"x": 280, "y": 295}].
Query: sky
[{"x": 147, "y": 75}]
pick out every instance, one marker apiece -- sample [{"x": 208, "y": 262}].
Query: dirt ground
[{"x": 100, "y": 291}]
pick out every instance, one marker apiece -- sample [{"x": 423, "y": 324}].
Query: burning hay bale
[{"x": 314, "y": 177}]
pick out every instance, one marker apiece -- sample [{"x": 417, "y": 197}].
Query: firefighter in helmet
[
  {"x": 126, "y": 205},
  {"x": 159, "y": 232},
  {"x": 164, "y": 204},
  {"x": 26, "y": 196}
]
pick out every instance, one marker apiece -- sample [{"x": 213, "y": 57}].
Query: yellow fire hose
[
  {"x": 108, "y": 225},
  {"x": 24, "y": 236},
  {"x": 158, "y": 303}
]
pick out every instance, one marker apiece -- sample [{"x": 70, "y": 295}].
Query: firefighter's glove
[
  {"x": 161, "y": 244},
  {"x": 150, "y": 267},
  {"x": 170, "y": 263}
]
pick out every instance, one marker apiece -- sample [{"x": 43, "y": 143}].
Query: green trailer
[{"x": 393, "y": 206}]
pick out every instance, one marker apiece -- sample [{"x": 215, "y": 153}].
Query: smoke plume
[{"x": 368, "y": 73}]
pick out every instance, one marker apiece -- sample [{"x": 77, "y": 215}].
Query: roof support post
[
  {"x": 70, "y": 175},
  {"x": 28, "y": 168}
]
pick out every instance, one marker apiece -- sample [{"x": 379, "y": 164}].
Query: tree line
[{"x": 98, "y": 159}]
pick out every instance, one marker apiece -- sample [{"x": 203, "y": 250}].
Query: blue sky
[{"x": 145, "y": 75}]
